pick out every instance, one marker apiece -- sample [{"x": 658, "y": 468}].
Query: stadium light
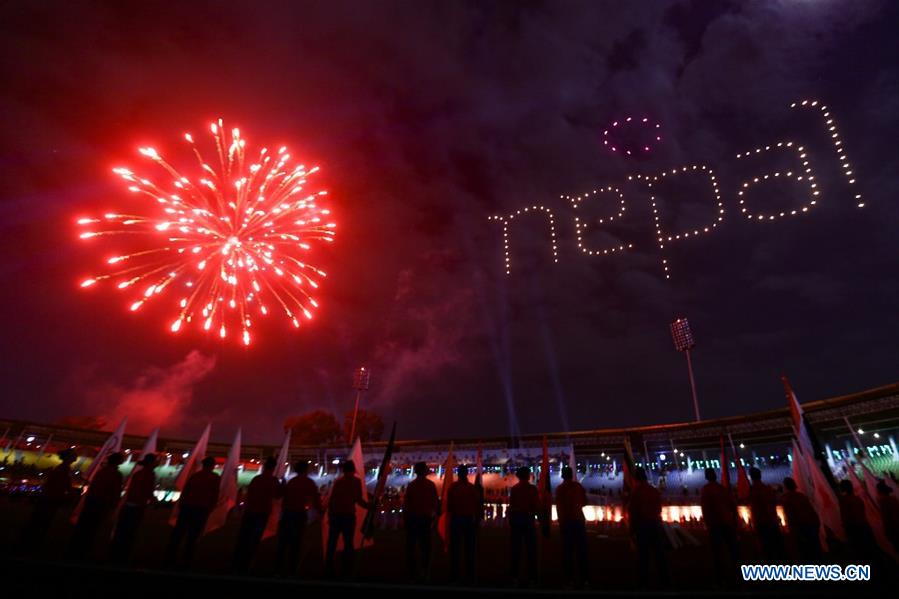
[
  {"x": 683, "y": 342},
  {"x": 361, "y": 381}
]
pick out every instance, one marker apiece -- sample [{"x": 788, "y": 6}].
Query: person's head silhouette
[
  {"x": 301, "y": 467},
  {"x": 148, "y": 461},
  {"x": 789, "y": 484},
  {"x": 208, "y": 463},
  {"x": 523, "y": 474},
  {"x": 640, "y": 474},
  {"x": 755, "y": 474},
  {"x": 567, "y": 473},
  {"x": 711, "y": 475},
  {"x": 349, "y": 467},
  {"x": 269, "y": 465},
  {"x": 421, "y": 469},
  {"x": 115, "y": 460}
]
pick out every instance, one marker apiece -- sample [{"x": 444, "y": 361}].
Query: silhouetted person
[
  {"x": 803, "y": 522},
  {"x": 463, "y": 502},
  {"x": 524, "y": 504},
  {"x": 261, "y": 493},
  {"x": 102, "y": 496},
  {"x": 137, "y": 498},
  {"x": 570, "y": 501},
  {"x": 855, "y": 522},
  {"x": 201, "y": 493},
  {"x": 346, "y": 494},
  {"x": 889, "y": 512},
  {"x": 645, "y": 518},
  {"x": 719, "y": 511},
  {"x": 763, "y": 505},
  {"x": 300, "y": 495},
  {"x": 55, "y": 492},
  {"x": 420, "y": 507}
]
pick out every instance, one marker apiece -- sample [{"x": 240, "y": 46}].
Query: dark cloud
[{"x": 426, "y": 119}]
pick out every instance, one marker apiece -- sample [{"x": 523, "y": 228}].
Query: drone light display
[
  {"x": 225, "y": 245},
  {"x": 802, "y": 174},
  {"x": 649, "y": 127}
]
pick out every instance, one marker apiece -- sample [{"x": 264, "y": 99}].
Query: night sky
[{"x": 427, "y": 118}]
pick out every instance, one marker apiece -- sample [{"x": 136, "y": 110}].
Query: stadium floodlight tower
[
  {"x": 361, "y": 380},
  {"x": 683, "y": 341}
]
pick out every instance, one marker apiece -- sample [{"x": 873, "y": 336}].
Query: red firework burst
[{"x": 226, "y": 245}]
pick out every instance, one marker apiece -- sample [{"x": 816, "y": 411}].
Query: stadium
[{"x": 674, "y": 454}]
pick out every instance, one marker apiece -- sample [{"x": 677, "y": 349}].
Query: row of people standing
[{"x": 464, "y": 511}]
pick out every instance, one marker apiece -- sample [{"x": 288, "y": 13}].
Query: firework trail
[{"x": 226, "y": 246}]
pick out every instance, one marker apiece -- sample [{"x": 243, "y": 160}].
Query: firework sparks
[{"x": 226, "y": 246}]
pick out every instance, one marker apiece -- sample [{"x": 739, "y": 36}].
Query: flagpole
[
  {"x": 855, "y": 436},
  {"x": 361, "y": 380}
]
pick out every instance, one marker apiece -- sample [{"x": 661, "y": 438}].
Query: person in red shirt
[
  {"x": 346, "y": 494},
  {"x": 719, "y": 512},
  {"x": 261, "y": 493},
  {"x": 570, "y": 501},
  {"x": 644, "y": 510},
  {"x": 889, "y": 510},
  {"x": 802, "y": 522},
  {"x": 763, "y": 506},
  {"x": 55, "y": 492},
  {"x": 463, "y": 504},
  {"x": 137, "y": 496},
  {"x": 524, "y": 504},
  {"x": 420, "y": 506},
  {"x": 103, "y": 494},
  {"x": 200, "y": 494},
  {"x": 300, "y": 495},
  {"x": 855, "y": 522}
]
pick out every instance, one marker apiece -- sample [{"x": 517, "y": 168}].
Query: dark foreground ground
[{"x": 380, "y": 569}]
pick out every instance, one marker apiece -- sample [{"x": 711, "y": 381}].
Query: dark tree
[
  {"x": 315, "y": 428},
  {"x": 369, "y": 426}
]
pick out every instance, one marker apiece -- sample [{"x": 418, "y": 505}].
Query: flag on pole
[
  {"x": 227, "y": 488},
  {"x": 359, "y": 540},
  {"x": 443, "y": 522},
  {"x": 14, "y": 443},
  {"x": 271, "y": 526},
  {"x": 190, "y": 466},
  {"x": 43, "y": 450},
  {"x": 742, "y": 479},
  {"x": 368, "y": 528},
  {"x": 872, "y": 512},
  {"x": 627, "y": 467},
  {"x": 112, "y": 445},
  {"x": 545, "y": 490},
  {"x": 725, "y": 474},
  {"x": 479, "y": 483},
  {"x": 819, "y": 475},
  {"x": 572, "y": 462},
  {"x": 148, "y": 448}
]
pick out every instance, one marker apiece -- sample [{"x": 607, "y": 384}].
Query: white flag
[
  {"x": 112, "y": 445},
  {"x": 872, "y": 513},
  {"x": 823, "y": 497},
  {"x": 359, "y": 540},
  {"x": 190, "y": 466},
  {"x": 443, "y": 523},
  {"x": 227, "y": 488},
  {"x": 280, "y": 472}
]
